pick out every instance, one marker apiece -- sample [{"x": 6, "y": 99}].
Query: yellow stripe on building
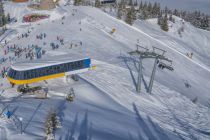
[
  {"x": 34, "y": 80},
  {"x": 93, "y": 67}
]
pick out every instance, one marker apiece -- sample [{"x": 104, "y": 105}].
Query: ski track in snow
[
  {"x": 91, "y": 20},
  {"x": 3, "y": 134},
  {"x": 164, "y": 107},
  {"x": 161, "y": 42}
]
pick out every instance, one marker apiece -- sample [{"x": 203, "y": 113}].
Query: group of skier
[{"x": 41, "y": 36}]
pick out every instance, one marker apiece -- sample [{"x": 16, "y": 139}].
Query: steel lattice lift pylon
[{"x": 143, "y": 53}]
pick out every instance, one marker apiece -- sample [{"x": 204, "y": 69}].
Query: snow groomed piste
[{"x": 103, "y": 104}]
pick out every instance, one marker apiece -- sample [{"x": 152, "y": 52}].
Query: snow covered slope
[
  {"x": 107, "y": 105},
  {"x": 191, "y": 40}
]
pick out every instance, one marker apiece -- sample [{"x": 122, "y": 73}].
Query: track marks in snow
[
  {"x": 159, "y": 41},
  {"x": 94, "y": 24},
  {"x": 3, "y": 133},
  {"x": 165, "y": 106},
  {"x": 185, "y": 114},
  {"x": 155, "y": 39}
]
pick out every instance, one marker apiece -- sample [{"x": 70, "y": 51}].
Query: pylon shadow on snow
[
  {"x": 32, "y": 116},
  {"x": 85, "y": 131},
  {"x": 152, "y": 130},
  {"x": 186, "y": 126},
  {"x": 84, "y": 128},
  {"x": 130, "y": 137},
  {"x": 141, "y": 122},
  {"x": 158, "y": 129},
  {"x": 14, "y": 110},
  {"x": 61, "y": 107},
  {"x": 70, "y": 133},
  {"x": 90, "y": 132},
  {"x": 130, "y": 70}
]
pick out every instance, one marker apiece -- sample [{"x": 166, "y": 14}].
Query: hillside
[{"x": 106, "y": 104}]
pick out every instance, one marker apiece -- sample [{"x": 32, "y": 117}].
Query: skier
[{"x": 191, "y": 55}]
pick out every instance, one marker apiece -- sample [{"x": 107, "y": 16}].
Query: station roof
[{"x": 46, "y": 61}]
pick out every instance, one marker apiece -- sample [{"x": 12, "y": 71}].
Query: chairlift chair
[{"x": 163, "y": 65}]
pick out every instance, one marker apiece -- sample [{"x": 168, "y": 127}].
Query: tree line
[
  {"x": 4, "y": 19},
  {"x": 146, "y": 10},
  {"x": 129, "y": 11}
]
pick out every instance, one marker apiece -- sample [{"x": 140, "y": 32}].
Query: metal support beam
[
  {"x": 144, "y": 53},
  {"x": 138, "y": 86},
  {"x": 152, "y": 76}
]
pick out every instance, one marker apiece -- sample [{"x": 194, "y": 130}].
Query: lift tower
[{"x": 158, "y": 55}]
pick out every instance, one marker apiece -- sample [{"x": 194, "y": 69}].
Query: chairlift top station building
[
  {"x": 43, "y": 69},
  {"x": 107, "y": 1},
  {"x": 43, "y": 4}
]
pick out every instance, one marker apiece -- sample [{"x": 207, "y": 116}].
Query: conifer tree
[
  {"x": 166, "y": 10},
  {"x": 8, "y": 17},
  {"x": 170, "y": 18},
  {"x": 130, "y": 3},
  {"x": 164, "y": 26},
  {"x": 145, "y": 6},
  {"x": 4, "y": 19},
  {"x": 123, "y": 4},
  {"x": 155, "y": 9},
  {"x": 160, "y": 19},
  {"x": 75, "y": 2},
  {"x": 144, "y": 14},
  {"x": 176, "y": 12},
  {"x": 120, "y": 5},
  {"x": 149, "y": 8},
  {"x": 129, "y": 18},
  {"x": 52, "y": 122},
  {"x": 1, "y": 22},
  {"x": 133, "y": 11},
  {"x": 119, "y": 13},
  {"x": 97, "y": 3},
  {"x": 135, "y": 3},
  {"x": 158, "y": 9},
  {"x": 141, "y": 6}
]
